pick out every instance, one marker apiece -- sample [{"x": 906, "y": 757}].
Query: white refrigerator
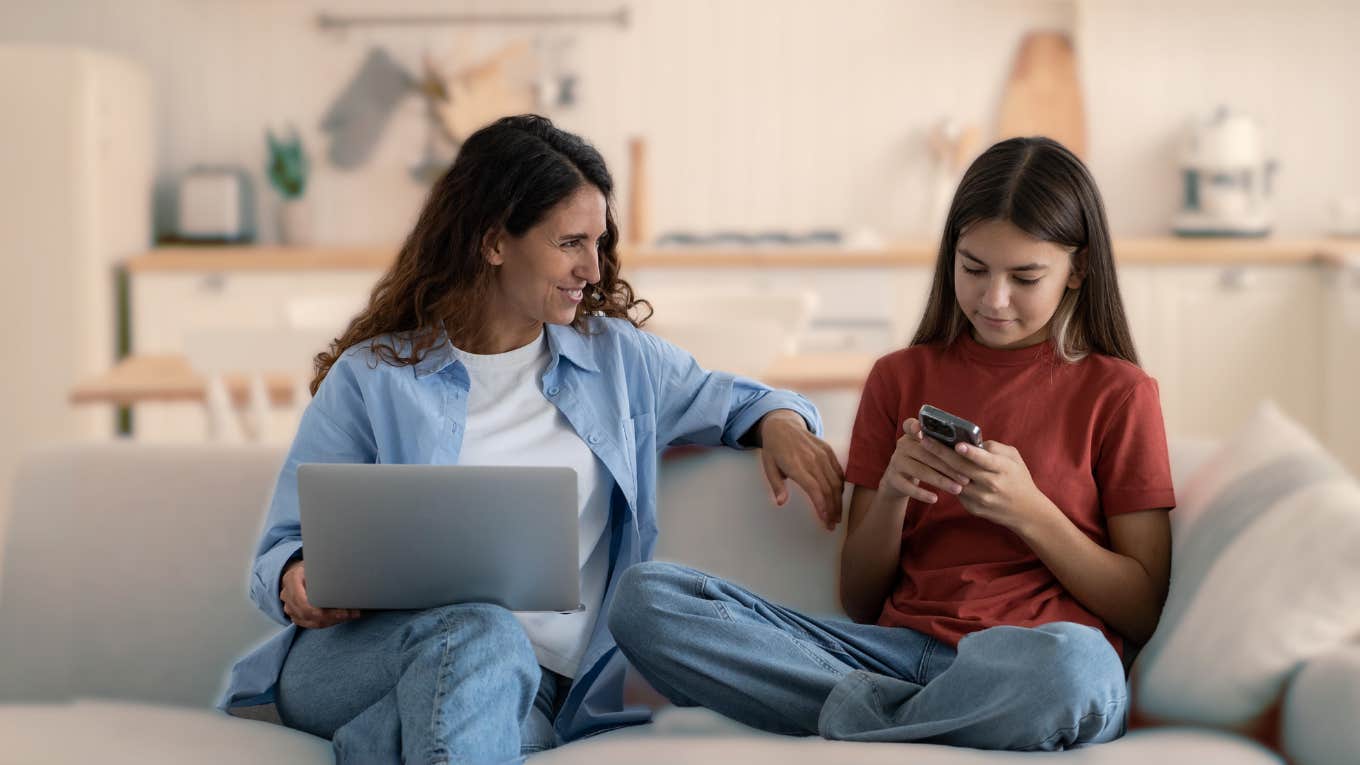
[{"x": 76, "y": 169}]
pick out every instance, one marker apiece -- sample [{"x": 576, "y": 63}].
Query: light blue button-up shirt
[{"x": 627, "y": 394}]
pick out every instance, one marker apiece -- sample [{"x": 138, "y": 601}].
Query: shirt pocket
[{"x": 639, "y": 438}]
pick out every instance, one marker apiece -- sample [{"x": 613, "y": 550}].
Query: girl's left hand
[{"x": 1000, "y": 488}]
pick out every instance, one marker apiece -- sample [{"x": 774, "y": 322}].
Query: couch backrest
[
  {"x": 125, "y": 566},
  {"x": 715, "y": 514},
  {"x": 125, "y": 571}
]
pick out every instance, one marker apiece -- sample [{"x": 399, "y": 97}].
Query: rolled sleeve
[
  {"x": 753, "y": 400},
  {"x": 712, "y": 408},
  {"x": 334, "y": 428}
]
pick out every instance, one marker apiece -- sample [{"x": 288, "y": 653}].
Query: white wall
[
  {"x": 1293, "y": 64},
  {"x": 759, "y": 113}
]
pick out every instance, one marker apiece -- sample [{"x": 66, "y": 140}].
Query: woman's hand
[
  {"x": 1000, "y": 488},
  {"x": 293, "y": 593},
  {"x": 913, "y": 463},
  {"x": 789, "y": 451}
]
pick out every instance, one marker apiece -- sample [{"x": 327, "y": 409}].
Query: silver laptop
[{"x": 418, "y": 536}]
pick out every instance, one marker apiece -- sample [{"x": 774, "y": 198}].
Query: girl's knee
[
  {"x": 1062, "y": 664},
  {"x": 1075, "y": 668},
  {"x": 638, "y": 601}
]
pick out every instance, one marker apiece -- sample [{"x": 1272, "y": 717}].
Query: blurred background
[{"x": 195, "y": 195}]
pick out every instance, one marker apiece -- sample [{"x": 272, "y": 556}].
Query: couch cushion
[
  {"x": 1320, "y": 710},
  {"x": 125, "y": 571},
  {"x": 115, "y": 733},
  {"x": 695, "y": 736},
  {"x": 1264, "y": 576}
]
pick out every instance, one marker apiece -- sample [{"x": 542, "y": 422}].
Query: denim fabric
[
  {"x": 448, "y": 685},
  {"x": 627, "y": 393},
  {"x": 704, "y": 641}
]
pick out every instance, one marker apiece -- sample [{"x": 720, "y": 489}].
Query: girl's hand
[
  {"x": 788, "y": 450},
  {"x": 913, "y": 464},
  {"x": 293, "y": 593},
  {"x": 1000, "y": 487}
]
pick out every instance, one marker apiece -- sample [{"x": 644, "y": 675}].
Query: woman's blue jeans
[
  {"x": 700, "y": 640},
  {"x": 447, "y": 685}
]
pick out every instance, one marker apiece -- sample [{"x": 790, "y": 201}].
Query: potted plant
[{"x": 288, "y": 169}]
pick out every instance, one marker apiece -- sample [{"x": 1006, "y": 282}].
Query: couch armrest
[{"x": 1319, "y": 723}]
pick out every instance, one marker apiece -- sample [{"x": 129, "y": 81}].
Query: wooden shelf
[
  {"x": 169, "y": 378},
  {"x": 1161, "y": 251},
  {"x": 249, "y": 258}
]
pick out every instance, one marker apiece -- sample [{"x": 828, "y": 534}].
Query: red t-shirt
[{"x": 1091, "y": 434}]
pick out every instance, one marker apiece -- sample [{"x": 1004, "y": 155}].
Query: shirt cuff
[{"x": 264, "y": 588}]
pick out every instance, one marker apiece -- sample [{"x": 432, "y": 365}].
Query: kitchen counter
[{"x": 1160, "y": 251}]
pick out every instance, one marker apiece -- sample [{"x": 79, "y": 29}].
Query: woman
[{"x": 501, "y": 335}]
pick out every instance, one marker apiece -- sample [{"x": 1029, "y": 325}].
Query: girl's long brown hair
[
  {"x": 1045, "y": 191},
  {"x": 507, "y": 176}
]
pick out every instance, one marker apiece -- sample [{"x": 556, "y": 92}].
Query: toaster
[{"x": 215, "y": 204}]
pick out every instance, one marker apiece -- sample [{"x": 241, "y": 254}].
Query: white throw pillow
[{"x": 1265, "y": 575}]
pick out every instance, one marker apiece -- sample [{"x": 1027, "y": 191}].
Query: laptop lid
[{"x": 379, "y": 536}]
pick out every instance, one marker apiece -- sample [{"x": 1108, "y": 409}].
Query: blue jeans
[
  {"x": 447, "y": 685},
  {"x": 700, "y": 640}
]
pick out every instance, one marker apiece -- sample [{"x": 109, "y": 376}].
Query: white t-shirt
[{"x": 511, "y": 422}]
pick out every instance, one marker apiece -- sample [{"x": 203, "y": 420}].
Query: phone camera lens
[{"x": 938, "y": 427}]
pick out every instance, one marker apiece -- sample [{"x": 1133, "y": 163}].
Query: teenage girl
[{"x": 995, "y": 590}]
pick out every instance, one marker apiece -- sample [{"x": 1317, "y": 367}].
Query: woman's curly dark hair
[{"x": 507, "y": 176}]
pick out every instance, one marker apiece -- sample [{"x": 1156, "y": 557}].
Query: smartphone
[{"x": 947, "y": 428}]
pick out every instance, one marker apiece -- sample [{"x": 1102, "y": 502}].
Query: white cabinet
[
  {"x": 169, "y": 307},
  {"x": 1341, "y": 361},
  {"x": 1138, "y": 290},
  {"x": 1226, "y": 337},
  {"x": 870, "y": 310}
]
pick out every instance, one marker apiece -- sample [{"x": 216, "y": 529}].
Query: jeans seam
[
  {"x": 700, "y": 591},
  {"x": 437, "y": 750},
  {"x": 811, "y": 651},
  {"x": 923, "y": 665},
  {"x": 701, "y": 585},
  {"x": 1104, "y": 712}
]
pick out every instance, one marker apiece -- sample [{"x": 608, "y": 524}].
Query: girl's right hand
[
  {"x": 293, "y": 593},
  {"x": 911, "y": 465}
]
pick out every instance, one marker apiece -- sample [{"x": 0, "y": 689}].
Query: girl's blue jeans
[{"x": 700, "y": 640}]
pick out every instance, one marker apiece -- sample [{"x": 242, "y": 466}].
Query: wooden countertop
[
  {"x": 1152, "y": 251},
  {"x": 169, "y": 378}
]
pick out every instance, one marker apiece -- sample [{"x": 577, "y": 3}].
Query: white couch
[{"x": 122, "y": 603}]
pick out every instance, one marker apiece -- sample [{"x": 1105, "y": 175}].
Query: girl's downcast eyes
[{"x": 1026, "y": 282}]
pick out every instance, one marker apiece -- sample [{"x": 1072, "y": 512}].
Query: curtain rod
[{"x": 341, "y": 22}]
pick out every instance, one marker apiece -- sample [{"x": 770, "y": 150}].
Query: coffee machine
[{"x": 1227, "y": 178}]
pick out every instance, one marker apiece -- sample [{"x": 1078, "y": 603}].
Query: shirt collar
[
  {"x": 566, "y": 340},
  {"x": 563, "y": 341}
]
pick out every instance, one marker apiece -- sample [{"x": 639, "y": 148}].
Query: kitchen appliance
[
  {"x": 216, "y": 204},
  {"x": 1227, "y": 178},
  {"x": 76, "y": 150}
]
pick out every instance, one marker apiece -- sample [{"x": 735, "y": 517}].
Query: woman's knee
[{"x": 470, "y": 625}]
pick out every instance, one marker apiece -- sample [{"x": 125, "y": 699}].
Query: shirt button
[
  {"x": 594, "y": 438},
  {"x": 553, "y": 391}
]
